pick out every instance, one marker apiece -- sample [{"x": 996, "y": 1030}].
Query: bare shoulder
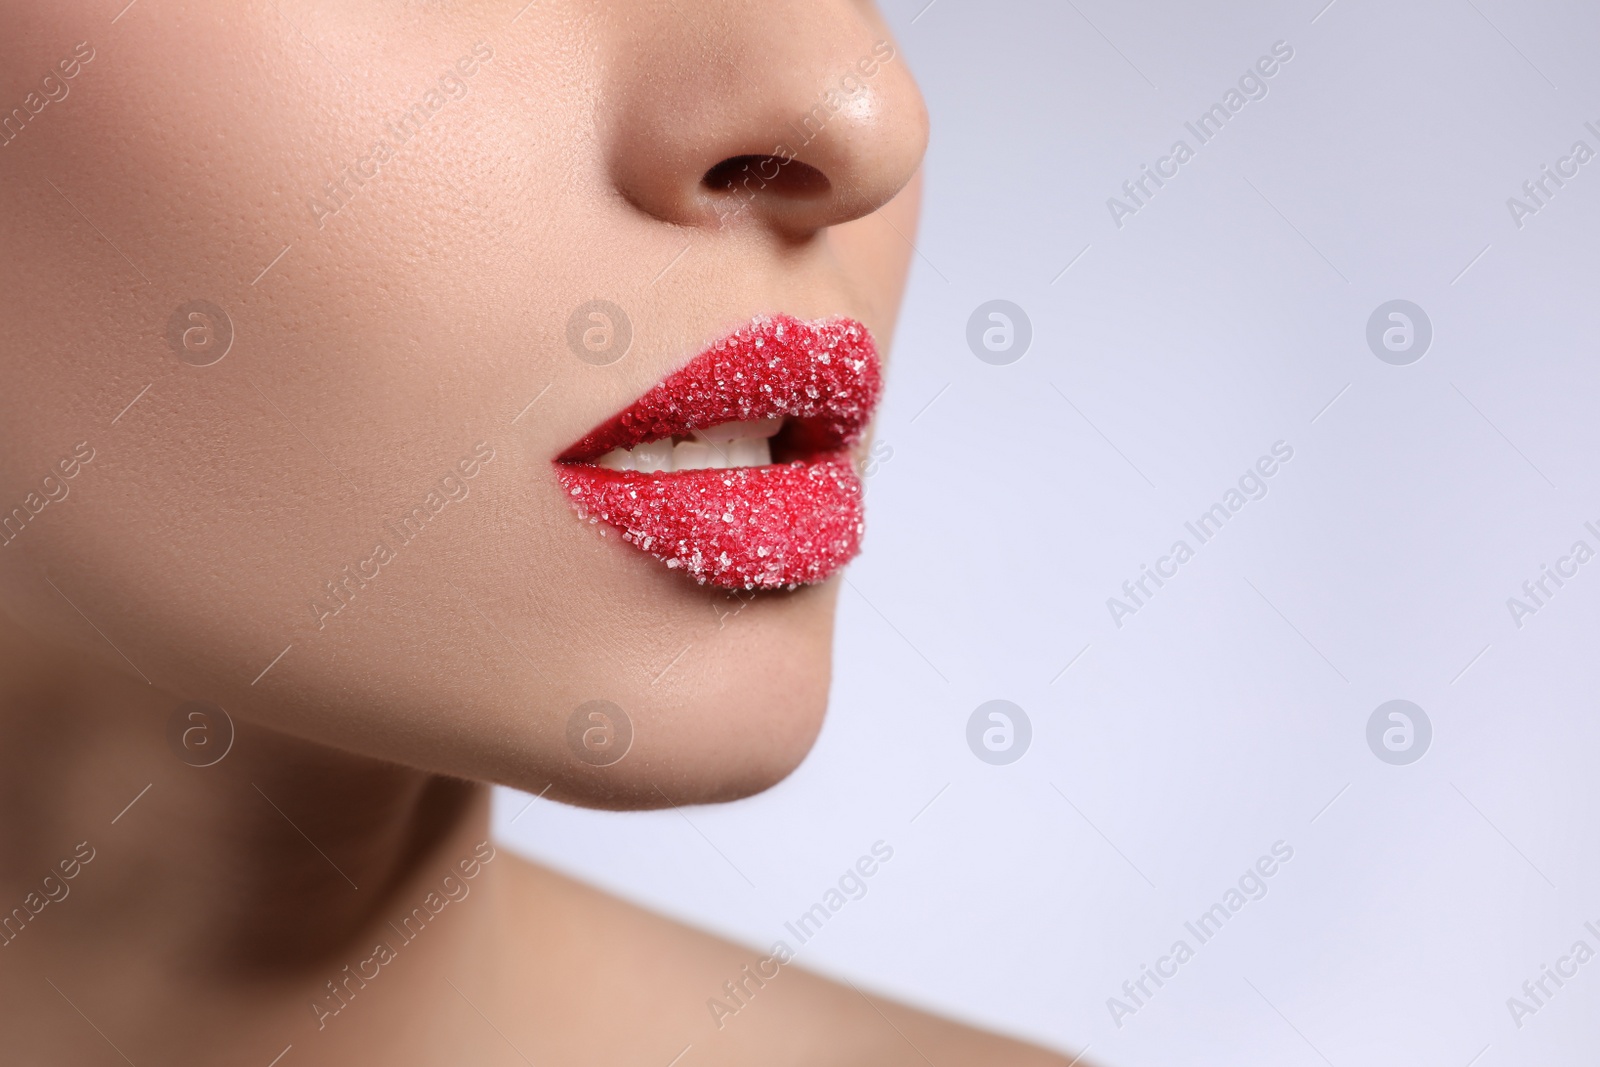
[{"x": 652, "y": 988}]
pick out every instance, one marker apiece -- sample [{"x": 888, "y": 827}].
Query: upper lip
[{"x": 823, "y": 377}]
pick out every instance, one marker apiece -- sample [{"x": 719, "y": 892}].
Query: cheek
[{"x": 362, "y": 363}]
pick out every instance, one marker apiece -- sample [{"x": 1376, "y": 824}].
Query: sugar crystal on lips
[
  {"x": 743, "y": 526},
  {"x": 760, "y": 370},
  {"x": 770, "y": 527}
]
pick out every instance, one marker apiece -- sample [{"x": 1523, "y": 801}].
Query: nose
[{"x": 792, "y": 114}]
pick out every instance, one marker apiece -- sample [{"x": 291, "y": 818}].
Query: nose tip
[{"x": 804, "y": 116}]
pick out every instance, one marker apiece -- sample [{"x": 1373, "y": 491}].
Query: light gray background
[{"x": 1231, "y": 711}]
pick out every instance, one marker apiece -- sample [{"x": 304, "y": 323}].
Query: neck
[{"x": 269, "y": 870}]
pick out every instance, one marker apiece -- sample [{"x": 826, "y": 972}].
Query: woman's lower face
[{"x": 469, "y": 387}]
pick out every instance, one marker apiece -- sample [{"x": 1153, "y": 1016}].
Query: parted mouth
[
  {"x": 806, "y": 387},
  {"x": 736, "y": 467}
]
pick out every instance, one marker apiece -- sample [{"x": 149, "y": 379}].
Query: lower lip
[
  {"x": 772, "y": 527},
  {"x": 776, "y": 526}
]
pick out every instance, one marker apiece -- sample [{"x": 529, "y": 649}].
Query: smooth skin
[{"x": 394, "y": 311}]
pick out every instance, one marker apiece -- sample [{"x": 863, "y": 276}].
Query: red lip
[{"x": 793, "y": 522}]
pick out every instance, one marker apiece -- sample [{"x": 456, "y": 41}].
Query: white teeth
[
  {"x": 732, "y": 444},
  {"x": 697, "y": 456},
  {"x": 748, "y": 452},
  {"x": 652, "y": 457}
]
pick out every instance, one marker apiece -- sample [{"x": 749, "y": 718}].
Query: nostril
[{"x": 774, "y": 175}]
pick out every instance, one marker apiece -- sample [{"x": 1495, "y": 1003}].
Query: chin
[{"x": 735, "y": 721}]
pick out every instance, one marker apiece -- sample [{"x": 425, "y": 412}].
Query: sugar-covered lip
[
  {"x": 822, "y": 377},
  {"x": 792, "y": 519}
]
